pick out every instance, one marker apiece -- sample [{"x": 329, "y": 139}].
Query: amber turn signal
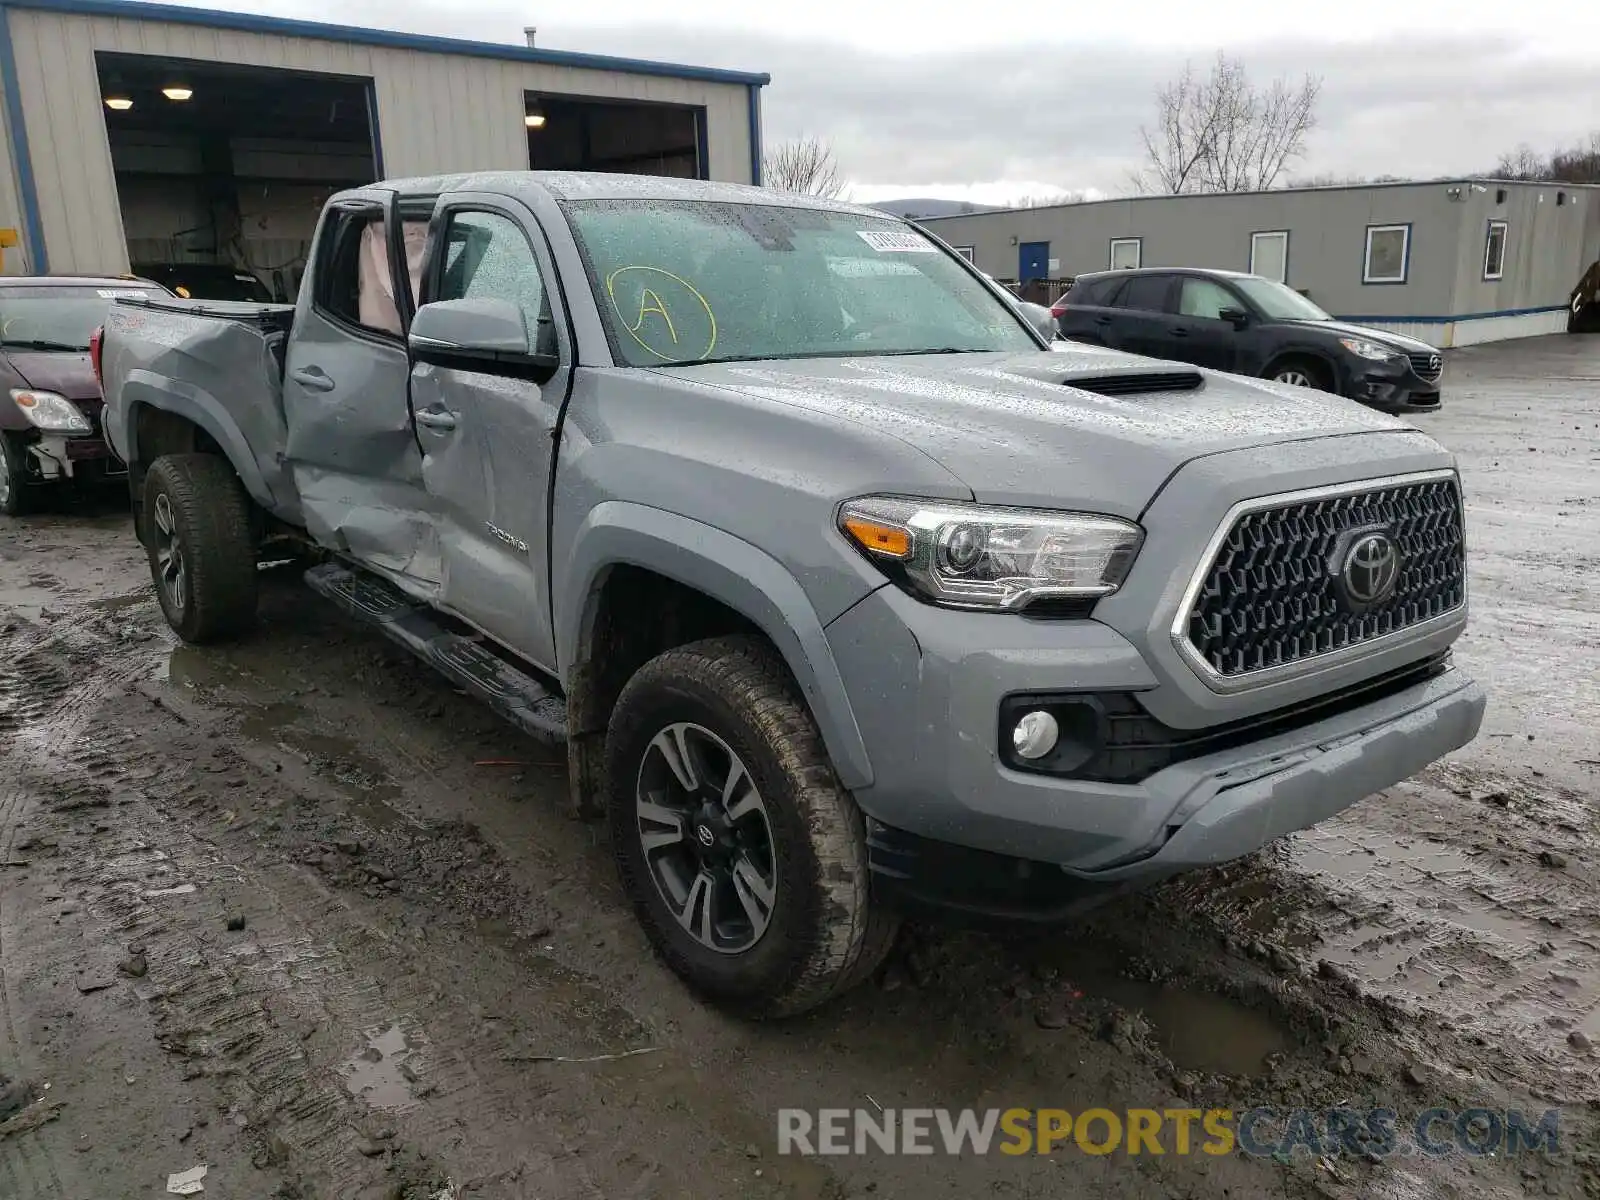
[{"x": 887, "y": 541}]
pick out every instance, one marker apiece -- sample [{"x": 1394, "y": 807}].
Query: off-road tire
[
  {"x": 211, "y": 514},
  {"x": 825, "y": 934},
  {"x": 18, "y": 498},
  {"x": 1319, "y": 376}
]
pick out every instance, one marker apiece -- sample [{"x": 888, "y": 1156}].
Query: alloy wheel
[
  {"x": 171, "y": 566},
  {"x": 707, "y": 838},
  {"x": 1294, "y": 376},
  {"x": 6, "y": 482}
]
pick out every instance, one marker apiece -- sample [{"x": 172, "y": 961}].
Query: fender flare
[
  {"x": 731, "y": 571},
  {"x": 143, "y": 388}
]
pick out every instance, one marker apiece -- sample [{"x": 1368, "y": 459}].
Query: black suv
[{"x": 1251, "y": 326}]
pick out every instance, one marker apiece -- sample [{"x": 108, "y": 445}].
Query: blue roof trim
[
  {"x": 136, "y": 10},
  {"x": 756, "y": 152},
  {"x": 33, "y": 226},
  {"x": 1477, "y": 316}
]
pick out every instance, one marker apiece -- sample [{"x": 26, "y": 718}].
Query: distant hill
[{"x": 927, "y": 208}]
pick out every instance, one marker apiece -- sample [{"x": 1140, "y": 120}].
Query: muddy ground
[{"x": 296, "y": 911}]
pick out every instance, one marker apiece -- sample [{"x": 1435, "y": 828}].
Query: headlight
[
  {"x": 50, "y": 412},
  {"x": 1368, "y": 349},
  {"x": 972, "y": 556}
]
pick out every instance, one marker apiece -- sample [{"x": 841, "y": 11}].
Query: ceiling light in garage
[
  {"x": 119, "y": 103},
  {"x": 534, "y": 119},
  {"x": 177, "y": 92}
]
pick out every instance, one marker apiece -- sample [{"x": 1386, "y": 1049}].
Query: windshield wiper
[{"x": 41, "y": 344}]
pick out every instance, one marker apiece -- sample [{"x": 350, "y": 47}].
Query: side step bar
[{"x": 466, "y": 661}]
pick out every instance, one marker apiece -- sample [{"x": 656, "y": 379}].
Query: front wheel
[
  {"x": 200, "y": 546},
  {"x": 744, "y": 858},
  {"x": 1301, "y": 372},
  {"x": 15, "y": 497}
]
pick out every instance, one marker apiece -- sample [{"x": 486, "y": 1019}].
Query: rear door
[
  {"x": 1142, "y": 315},
  {"x": 1198, "y": 334},
  {"x": 1085, "y": 312},
  {"x": 487, "y": 430},
  {"x": 350, "y": 445}
]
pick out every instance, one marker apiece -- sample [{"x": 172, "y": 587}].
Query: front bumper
[
  {"x": 58, "y": 457},
  {"x": 930, "y": 719},
  {"x": 1394, "y": 386}
]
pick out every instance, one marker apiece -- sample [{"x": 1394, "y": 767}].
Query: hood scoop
[{"x": 1134, "y": 383}]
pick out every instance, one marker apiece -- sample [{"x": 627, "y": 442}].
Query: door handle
[
  {"x": 436, "y": 418},
  {"x": 314, "y": 378},
  {"x": 1179, "y": 331},
  {"x": 1102, "y": 320}
]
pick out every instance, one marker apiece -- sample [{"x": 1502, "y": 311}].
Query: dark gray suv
[{"x": 1252, "y": 326}]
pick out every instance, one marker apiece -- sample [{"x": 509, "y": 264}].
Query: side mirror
[
  {"x": 482, "y": 332},
  {"x": 1237, "y": 317}
]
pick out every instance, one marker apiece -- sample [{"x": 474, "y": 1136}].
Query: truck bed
[{"x": 219, "y": 363}]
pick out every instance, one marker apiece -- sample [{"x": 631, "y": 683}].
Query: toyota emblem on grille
[{"x": 1368, "y": 568}]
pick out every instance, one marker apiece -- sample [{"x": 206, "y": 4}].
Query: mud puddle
[
  {"x": 382, "y": 1073},
  {"x": 1197, "y": 1030}
]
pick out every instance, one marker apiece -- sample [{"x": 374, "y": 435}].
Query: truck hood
[
  {"x": 67, "y": 373},
  {"x": 1013, "y": 429}
]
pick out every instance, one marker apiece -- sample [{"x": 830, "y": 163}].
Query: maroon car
[{"x": 49, "y": 400}]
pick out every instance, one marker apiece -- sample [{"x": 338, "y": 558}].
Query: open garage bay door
[
  {"x": 569, "y": 133},
  {"x": 222, "y": 170}
]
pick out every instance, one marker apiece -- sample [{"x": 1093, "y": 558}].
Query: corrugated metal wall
[
  {"x": 1327, "y": 239},
  {"x": 437, "y": 113}
]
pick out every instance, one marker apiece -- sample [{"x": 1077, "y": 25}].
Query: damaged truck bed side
[{"x": 847, "y": 593}]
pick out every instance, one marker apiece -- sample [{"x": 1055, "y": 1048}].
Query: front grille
[
  {"x": 1270, "y": 597},
  {"x": 1427, "y": 366}
]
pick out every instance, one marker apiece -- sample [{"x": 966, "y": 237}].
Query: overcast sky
[{"x": 1011, "y": 97}]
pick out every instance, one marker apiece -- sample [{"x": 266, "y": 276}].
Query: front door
[
  {"x": 487, "y": 431},
  {"x": 1033, "y": 261},
  {"x": 347, "y": 436},
  {"x": 1198, "y": 334}
]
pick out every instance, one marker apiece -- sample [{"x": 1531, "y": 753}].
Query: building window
[
  {"x": 1269, "y": 254},
  {"x": 1127, "y": 254},
  {"x": 1388, "y": 257},
  {"x": 965, "y": 252},
  {"x": 1494, "y": 251}
]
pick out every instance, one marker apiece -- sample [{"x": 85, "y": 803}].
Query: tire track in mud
[
  {"x": 36, "y": 693},
  {"x": 271, "y": 1018}
]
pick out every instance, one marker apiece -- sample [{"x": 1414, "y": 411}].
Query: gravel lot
[{"x": 296, "y": 911}]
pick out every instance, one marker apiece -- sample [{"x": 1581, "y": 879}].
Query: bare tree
[
  {"x": 1522, "y": 163},
  {"x": 1579, "y": 163},
  {"x": 1221, "y": 133},
  {"x": 805, "y": 165}
]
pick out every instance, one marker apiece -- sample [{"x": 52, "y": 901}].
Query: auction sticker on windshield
[{"x": 895, "y": 242}]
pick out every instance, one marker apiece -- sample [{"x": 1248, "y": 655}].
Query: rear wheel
[
  {"x": 200, "y": 546},
  {"x": 15, "y": 489},
  {"x": 744, "y": 858},
  {"x": 1301, "y": 372}
]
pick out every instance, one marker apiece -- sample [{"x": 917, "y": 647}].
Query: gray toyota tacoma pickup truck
[{"x": 848, "y": 594}]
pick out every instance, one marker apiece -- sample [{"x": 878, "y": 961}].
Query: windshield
[
  {"x": 55, "y": 317},
  {"x": 1277, "y": 302},
  {"x": 693, "y": 281}
]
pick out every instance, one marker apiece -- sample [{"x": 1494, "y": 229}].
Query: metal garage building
[
  {"x": 152, "y": 133},
  {"x": 1452, "y": 262}
]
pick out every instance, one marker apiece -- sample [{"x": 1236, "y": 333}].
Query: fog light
[{"x": 1035, "y": 735}]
